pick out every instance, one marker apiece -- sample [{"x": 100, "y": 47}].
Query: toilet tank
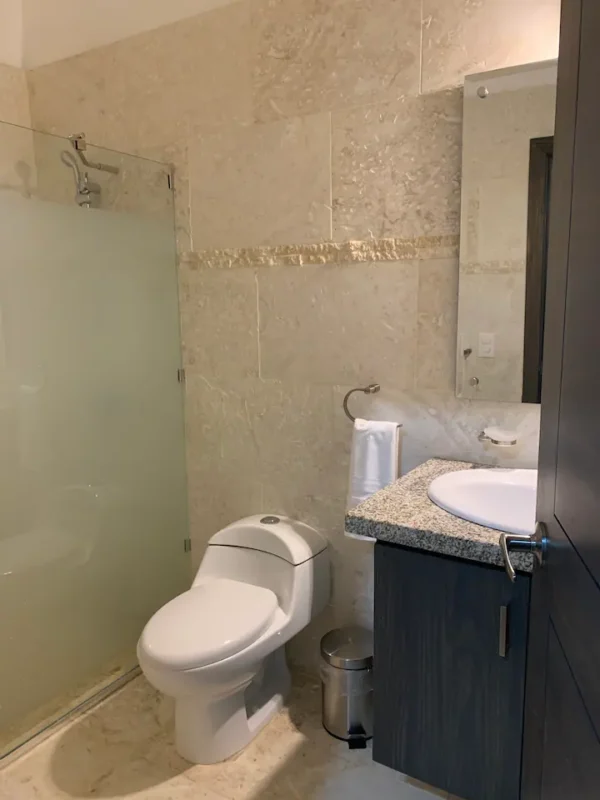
[{"x": 283, "y": 537}]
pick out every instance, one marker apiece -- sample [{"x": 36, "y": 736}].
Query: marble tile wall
[
  {"x": 322, "y": 55},
  {"x": 317, "y": 145},
  {"x": 153, "y": 88},
  {"x": 396, "y": 167},
  {"x": 14, "y": 96},
  {"x": 262, "y": 184}
]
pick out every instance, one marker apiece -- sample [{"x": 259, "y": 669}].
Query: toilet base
[{"x": 209, "y": 730}]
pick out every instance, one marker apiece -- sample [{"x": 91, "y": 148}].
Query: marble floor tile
[{"x": 123, "y": 749}]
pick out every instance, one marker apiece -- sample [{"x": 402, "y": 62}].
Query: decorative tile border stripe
[{"x": 371, "y": 250}]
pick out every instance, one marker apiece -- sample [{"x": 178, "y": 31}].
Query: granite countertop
[{"x": 402, "y": 513}]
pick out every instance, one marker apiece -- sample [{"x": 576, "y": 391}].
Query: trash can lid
[{"x": 348, "y": 648}]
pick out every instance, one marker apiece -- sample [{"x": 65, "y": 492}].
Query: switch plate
[{"x": 486, "y": 347}]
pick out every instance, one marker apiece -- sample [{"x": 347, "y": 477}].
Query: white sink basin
[{"x": 503, "y": 499}]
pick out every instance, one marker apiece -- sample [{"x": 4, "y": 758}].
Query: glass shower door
[{"x": 93, "y": 517}]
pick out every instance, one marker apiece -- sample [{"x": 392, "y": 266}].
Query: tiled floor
[{"x": 123, "y": 749}]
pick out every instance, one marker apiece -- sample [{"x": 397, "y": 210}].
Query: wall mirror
[{"x": 508, "y": 141}]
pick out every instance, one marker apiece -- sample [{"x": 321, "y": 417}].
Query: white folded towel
[{"x": 374, "y": 461}]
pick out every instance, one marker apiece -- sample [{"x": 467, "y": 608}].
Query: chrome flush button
[{"x": 270, "y": 520}]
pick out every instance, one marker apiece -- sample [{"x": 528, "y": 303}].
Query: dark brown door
[{"x": 562, "y": 721}]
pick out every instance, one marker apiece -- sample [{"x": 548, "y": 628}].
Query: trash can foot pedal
[{"x": 357, "y": 739}]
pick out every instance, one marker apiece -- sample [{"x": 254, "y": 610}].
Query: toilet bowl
[{"x": 218, "y": 648}]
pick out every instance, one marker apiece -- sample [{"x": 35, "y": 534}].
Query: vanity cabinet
[{"x": 449, "y": 672}]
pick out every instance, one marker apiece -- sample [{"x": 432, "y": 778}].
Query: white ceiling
[{"x": 36, "y": 32}]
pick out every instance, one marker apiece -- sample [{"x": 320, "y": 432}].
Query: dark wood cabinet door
[{"x": 448, "y": 706}]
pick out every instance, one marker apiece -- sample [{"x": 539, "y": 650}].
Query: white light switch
[{"x": 487, "y": 345}]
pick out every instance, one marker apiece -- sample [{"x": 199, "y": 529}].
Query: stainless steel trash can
[{"x": 347, "y": 684}]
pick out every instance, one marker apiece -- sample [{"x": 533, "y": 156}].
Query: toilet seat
[{"x": 214, "y": 620}]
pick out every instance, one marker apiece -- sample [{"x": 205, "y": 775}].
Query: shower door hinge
[
  {"x": 181, "y": 375},
  {"x": 187, "y": 545}
]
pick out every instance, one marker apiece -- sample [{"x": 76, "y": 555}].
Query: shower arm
[
  {"x": 80, "y": 145},
  {"x": 97, "y": 165}
]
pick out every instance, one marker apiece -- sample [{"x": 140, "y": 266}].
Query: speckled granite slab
[{"x": 402, "y": 513}]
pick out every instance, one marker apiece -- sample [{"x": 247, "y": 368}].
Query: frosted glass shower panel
[{"x": 92, "y": 480}]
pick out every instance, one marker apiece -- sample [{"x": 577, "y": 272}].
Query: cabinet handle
[{"x": 503, "y": 638}]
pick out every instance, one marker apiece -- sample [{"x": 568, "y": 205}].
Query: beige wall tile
[
  {"x": 396, "y": 168},
  {"x": 14, "y": 98},
  {"x": 279, "y": 435},
  {"x": 219, "y": 324},
  {"x": 342, "y": 324},
  {"x": 224, "y": 481},
  {"x": 261, "y": 446},
  {"x": 292, "y": 429},
  {"x": 262, "y": 184},
  {"x": 465, "y": 36},
  {"x": 436, "y": 344},
  {"x": 315, "y": 55},
  {"x": 150, "y": 89}
]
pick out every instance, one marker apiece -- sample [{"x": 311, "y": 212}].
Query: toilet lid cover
[{"x": 215, "y": 619}]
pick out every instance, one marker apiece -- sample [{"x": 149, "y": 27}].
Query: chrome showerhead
[{"x": 87, "y": 193}]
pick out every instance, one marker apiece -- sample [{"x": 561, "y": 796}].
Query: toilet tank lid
[{"x": 280, "y": 536}]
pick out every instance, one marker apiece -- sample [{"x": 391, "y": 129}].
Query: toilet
[{"x": 218, "y": 648}]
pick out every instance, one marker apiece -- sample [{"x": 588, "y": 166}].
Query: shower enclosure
[{"x": 93, "y": 521}]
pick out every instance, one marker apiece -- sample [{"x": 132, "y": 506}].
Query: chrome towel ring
[{"x": 372, "y": 388}]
